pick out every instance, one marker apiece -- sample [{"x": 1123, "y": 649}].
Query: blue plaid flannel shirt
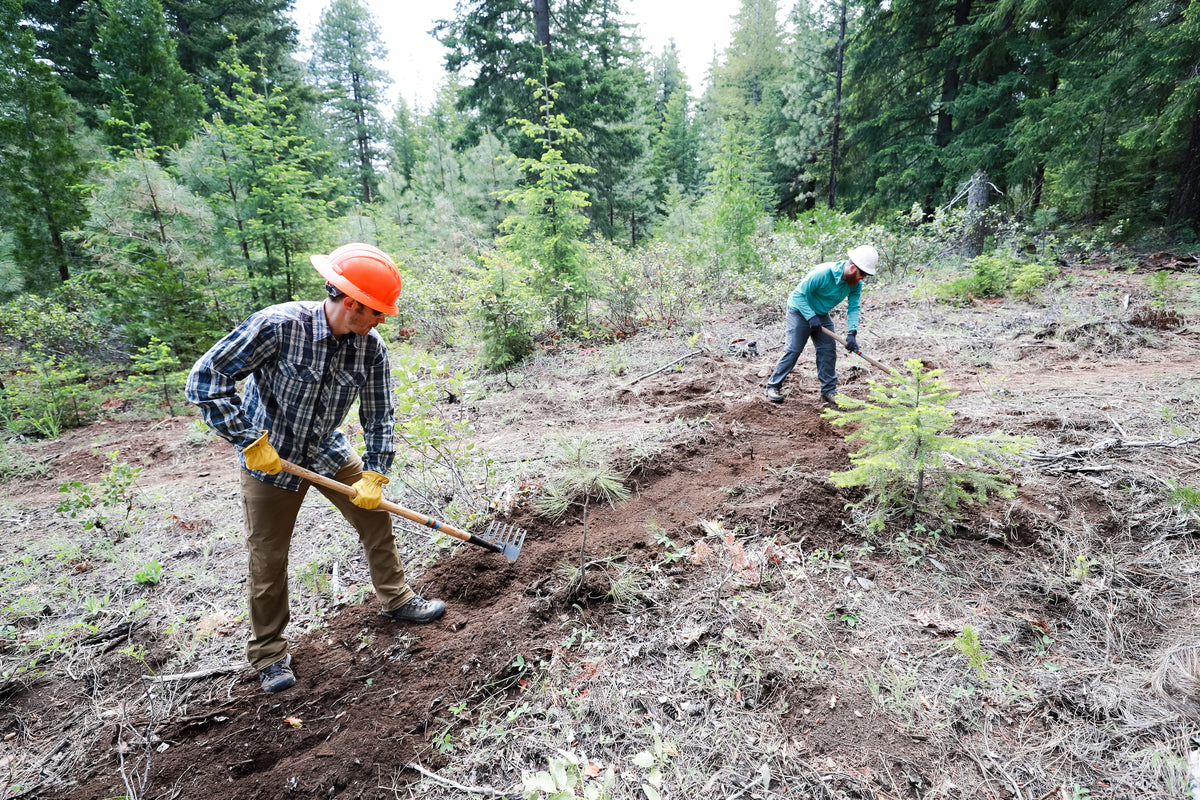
[{"x": 300, "y": 382}]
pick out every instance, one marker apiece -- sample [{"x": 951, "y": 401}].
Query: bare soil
[{"x": 743, "y": 486}]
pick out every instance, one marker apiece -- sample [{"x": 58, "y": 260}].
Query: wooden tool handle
[
  {"x": 870, "y": 360},
  {"x": 387, "y": 505}
]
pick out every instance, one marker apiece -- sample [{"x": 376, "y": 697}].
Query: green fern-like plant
[{"x": 908, "y": 459}]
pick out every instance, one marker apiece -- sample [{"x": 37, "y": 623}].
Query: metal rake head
[{"x": 506, "y": 536}]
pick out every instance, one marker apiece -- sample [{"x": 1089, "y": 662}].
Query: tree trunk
[
  {"x": 837, "y": 105},
  {"x": 951, "y": 81},
  {"x": 366, "y": 168},
  {"x": 1097, "y": 177},
  {"x": 1039, "y": 183},
  {"x": 1185, "y": 202},
  {"x": 541, "y": 21},
  {"x": 977, "y": 201}
]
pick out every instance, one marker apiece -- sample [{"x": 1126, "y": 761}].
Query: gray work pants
[{"x": 798, "y": 334}]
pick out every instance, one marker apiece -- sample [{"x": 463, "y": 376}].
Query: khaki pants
[{"x": 270, "y": 517}]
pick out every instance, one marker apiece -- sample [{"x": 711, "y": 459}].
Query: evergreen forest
[{"x": 169, "y": 165}]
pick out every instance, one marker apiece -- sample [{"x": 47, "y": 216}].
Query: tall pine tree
[
  {"x": 42, "y": 170},
  {"x": 209, "y": 32},
  {"x": 152, "y": 102},
  {"x": 588, "y": 53},
  {"x": 347, "y": 49}
]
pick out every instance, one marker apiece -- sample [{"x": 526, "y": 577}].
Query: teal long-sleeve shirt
[{"x": 821, "y": 291}]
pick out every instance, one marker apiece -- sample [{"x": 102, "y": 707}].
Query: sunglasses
[{"x": 369, "y": 310}]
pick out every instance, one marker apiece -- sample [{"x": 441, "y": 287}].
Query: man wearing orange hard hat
[{"x": 305, "y": 364}]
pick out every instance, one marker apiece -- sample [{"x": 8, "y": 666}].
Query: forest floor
[{"x": 737, "y": 634}]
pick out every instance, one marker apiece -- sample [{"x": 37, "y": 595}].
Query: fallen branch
[
  {"x": 1078, "y": 468},
  {"x": 486, "y": 791},
  {"x": 665, "y": 366},
  {"x": 1105, "y": 445},
  {"x": 228, "y": 669},
  {"x": 117, "y": 632}
]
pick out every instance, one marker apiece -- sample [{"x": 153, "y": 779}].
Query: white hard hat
[{"x": 865, "y": 258}]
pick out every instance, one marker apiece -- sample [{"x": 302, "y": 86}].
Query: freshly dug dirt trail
[{"x": 369, "y": 691}]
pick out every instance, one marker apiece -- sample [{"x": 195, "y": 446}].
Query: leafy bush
[
  {"x": 47, "y": 394},
  {"x": 434, "y": 453},
  {"x": 908, "y": 461},
  {"x": 434, "y": 301},
  {"x": 618, "y": 287},
  {"x": 670, "y": 288},
  {"x": 94, "y": 501},
  {"x": 65, "y": 324}
]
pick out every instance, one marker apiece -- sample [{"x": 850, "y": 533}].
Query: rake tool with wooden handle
[{"x": 500, "y": 537}]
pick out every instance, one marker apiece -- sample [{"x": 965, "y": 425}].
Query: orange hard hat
[{"x": 363, "y": 272}]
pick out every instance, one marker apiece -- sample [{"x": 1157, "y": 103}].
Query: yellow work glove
[
  {"x": 370, "y": 490},
  {"x": 262, "y": 457}
]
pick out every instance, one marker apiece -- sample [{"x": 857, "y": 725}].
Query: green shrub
[
  {"x": 93, "y": 502},
  {"x": 150, "y": 573},
  {"x": 1165, "y": 290},
  {"x": 956, "y": 292},
  {"x": 992, "y": 274},
  {"x": 670, "y": 286},
  {"x": 1032, "y": 276},
  {"x": 46, "y": 394},
  {"x": 435, "y": 452},
  {"x": 66, "y": 323},
  {"x": 997, "y": 275},
  {"x": 618, "y": 287},
  {"x": 434, "y": 301},
  {"x": 506, "y": 312}
]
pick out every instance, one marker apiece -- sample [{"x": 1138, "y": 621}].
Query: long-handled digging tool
[
  {"x": 500, "y": 537},
  {"x": 870, "y": 360}
]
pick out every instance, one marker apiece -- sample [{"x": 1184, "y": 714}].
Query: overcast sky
[{"x": 415, "y": 57}]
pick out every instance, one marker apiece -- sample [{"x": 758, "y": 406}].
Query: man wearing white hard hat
[{"x": 823, "y": 289}]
